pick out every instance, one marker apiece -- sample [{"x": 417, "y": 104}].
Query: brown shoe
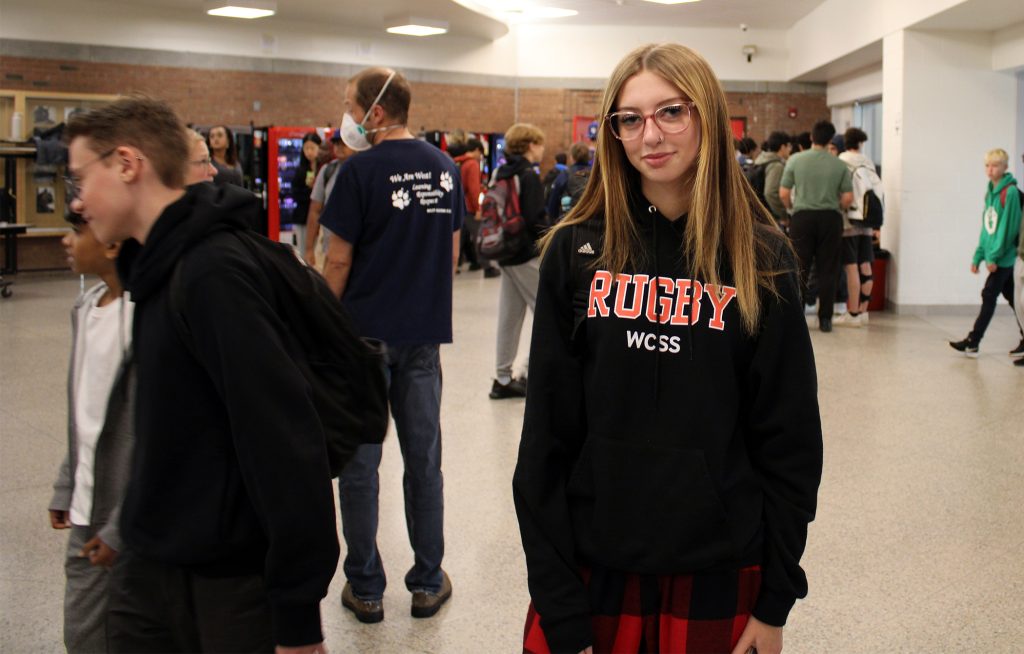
[
  {"x": 426, "y": 604},
  {"x": 368, "y": 611}
]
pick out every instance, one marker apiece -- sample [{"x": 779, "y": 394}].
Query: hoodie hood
[
  {"x": 205, "y": 209},
  {"x": 1007, "y": 180},
  {"x": 514, "y": 165},
  {"x": 767, "y": 157},
  {"x": 856, "y": 160}
]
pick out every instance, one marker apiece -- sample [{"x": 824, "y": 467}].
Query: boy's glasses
[
  {"x": 202, "y": 162},
  {"x": 670, "y": 119},
  {"x": 72, "y": 181}
]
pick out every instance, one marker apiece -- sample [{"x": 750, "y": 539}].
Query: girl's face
[
  {"x": 218, "y": 138},
  {"x": 310, "y": 150},
  {"x": 660, "y": 158},
  {"x": 85, "y": 254}
]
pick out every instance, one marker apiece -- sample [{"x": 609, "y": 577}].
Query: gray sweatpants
[
  {"x": 518, "y": 291},
  {"x": 85, "y": 597}
]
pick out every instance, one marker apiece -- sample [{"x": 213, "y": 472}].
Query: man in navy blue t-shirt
[{"x": 396, "y": 210}]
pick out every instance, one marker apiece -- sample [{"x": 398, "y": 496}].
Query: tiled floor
[{"x": 916, "y": 547}]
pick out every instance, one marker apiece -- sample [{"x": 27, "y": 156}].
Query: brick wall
[{"x": 204, "y": 96}]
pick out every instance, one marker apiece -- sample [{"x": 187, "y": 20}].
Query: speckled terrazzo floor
[{"x": 915, "y": 549}]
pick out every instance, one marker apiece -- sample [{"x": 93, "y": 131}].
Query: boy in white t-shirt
[{"x": 91, "y": 481}]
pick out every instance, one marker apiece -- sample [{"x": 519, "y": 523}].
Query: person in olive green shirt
[{"x": 817, "y": 187}]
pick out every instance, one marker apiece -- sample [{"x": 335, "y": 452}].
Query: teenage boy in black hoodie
[
  {"x": 524, "y": 147},
  {"x": 229, "y": 520}
]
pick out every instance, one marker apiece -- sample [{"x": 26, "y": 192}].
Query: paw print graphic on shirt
[
  {"x": 446, "y": 182},
  {"x": 400, "y": 199}
]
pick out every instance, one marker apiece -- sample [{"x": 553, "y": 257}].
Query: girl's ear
[{"x": 111, "y": 251}]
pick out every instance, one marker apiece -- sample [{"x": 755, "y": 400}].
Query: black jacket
[
  {"x": 531, "y": 204},
  {"x": 230, "y": 473},
  {"x": 663, "y": 447}
]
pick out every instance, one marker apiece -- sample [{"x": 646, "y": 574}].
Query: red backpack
[{"x": 503, "y": 231}]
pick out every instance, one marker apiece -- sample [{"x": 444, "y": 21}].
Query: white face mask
[{"x": 354, "y": 134}]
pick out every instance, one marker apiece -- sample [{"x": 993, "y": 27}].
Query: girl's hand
[{"x": 757, "y": 635}]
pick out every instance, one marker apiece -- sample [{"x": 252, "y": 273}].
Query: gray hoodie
[
  {"x": 772, "y": 177},
  {"x": 114, "y": 445}
]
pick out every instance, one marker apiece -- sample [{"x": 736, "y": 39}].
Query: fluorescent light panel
[
  {"x": 248, "y": 9},
  {"x": 416, "y": 30},
  {"x": 518, "y": 10},
  {"x": 415, "y": 26},
  {"x": 671, "y": 2}
]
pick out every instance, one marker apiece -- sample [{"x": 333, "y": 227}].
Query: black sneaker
[
  {"x": 1018, "y": 351},
  {"x": 1019, "y": 362},
  {"x": 515, "y": 388},
  {"x": 825, "y": 324},
  {"x": 491, "y": 271},
  {"x": 474, "y": 267},
  {"x": 967, "y": 346}
]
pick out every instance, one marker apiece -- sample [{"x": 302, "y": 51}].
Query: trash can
[{"x": 878, "y": 271}]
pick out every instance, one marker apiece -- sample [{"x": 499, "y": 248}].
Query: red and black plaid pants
[{"x": 703, "y": 613}]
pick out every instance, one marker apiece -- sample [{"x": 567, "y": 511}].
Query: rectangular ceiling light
[
  {"x": 241, "y": 8},
  {"x": 416, "y": 26},
  {"x": 672, "y": 2}
]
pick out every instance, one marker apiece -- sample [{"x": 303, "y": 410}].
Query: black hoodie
[
  {"x": 230, "y": 474},
  {"x": 531, "y": 204},
  {"x": 668, "y": 447}
]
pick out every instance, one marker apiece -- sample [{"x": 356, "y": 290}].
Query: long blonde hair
[{"x": 723, "y": 206}]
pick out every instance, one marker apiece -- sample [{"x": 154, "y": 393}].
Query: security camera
[
  {"x": 749, "y": 51},
  {"x": 743, "y": 27}
]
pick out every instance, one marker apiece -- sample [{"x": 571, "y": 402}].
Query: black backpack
[
  {"x": 344, "y": 371},
  {"x": 574, "y": 187},
  {"x": 503, "y": 230},
  {"x": 871, "y": 209},
  {"x": 756, "y": 175}
]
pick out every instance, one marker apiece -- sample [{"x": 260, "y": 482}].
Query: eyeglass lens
[{"x": 672, "y": 119}]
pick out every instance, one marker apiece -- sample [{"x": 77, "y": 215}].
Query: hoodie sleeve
[
  {"x": 553, "y": 431},
  {"x": 62, "y": 487},
  {"x": 784, "y": 442},
  {"x": 772, "y": 179},
  {"x": 471, "y": 186},
  {"x": 278, "y": 440},
  {"x": 531, "y": 202}
]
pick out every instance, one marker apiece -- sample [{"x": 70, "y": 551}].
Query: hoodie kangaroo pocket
[{"x": 647, "y": 509}]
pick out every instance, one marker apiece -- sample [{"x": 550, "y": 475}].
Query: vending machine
[{"x": 284, "y": 151}]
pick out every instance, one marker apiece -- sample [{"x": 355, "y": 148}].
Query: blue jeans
[{"x": 414, "y": 388}]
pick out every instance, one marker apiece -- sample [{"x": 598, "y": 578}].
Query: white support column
[{"x": 944, "y": 107}]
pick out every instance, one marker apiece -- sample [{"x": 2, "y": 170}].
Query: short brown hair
[
  {"x": 520, "y": 136},
  {"x": 396, "y": 99},
  {"x": 580, "y": 153},
  {"x": 144, "y": 123}
]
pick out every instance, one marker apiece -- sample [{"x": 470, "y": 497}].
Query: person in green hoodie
[
  {"x": 1018, "y": 290},
  {"x": 997, "y": 247}
]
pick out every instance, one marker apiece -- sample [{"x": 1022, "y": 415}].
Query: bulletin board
[{"x": 40, "y": 192}]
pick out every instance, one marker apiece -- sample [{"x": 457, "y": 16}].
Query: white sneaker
[{"x": 846, "y": 320}]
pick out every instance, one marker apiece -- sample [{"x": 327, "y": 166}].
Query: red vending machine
[{"x": 284, "y": 149}]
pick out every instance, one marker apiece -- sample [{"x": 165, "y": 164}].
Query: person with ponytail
[{"x": 671, "y": 448}]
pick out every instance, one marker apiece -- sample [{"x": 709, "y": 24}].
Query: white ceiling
[
  {"x": 757, "y": 14},
  {"x": 460, "y": 14},
  {"x": 977, "y": 15}
]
